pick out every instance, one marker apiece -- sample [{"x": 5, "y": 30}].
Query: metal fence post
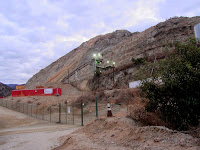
[
  {"x": 66, "y": 112},
  {"x": 127, "y": 106},
  {"x": 27, "y": 108},
  {"x": 96, "y": 107},
  {"x": 59, "y": 112},
  {"x": 31, "y": 110},
  {"x": 81, "y": 112},
  {"x": 36, "y": 110},
  {"x": 50, "y": 113},
  {"x": 43, "y": 114},
  {"x": 23, "y": 107}
]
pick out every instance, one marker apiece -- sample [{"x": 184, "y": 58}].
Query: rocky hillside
[
  {"x": 4, "y": 90},
  {"x": 59, "y": 69},
  {"x": 120, "y": 46}
]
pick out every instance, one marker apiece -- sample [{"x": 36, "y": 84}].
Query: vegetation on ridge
[{"x": 176, "y": 96}]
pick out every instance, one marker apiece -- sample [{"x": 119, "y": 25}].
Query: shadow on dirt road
[{"x": 19, "y": 131}]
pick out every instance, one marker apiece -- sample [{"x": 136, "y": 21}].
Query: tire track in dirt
[
  {"x": 51, "y": 128},
  {"x": 19, "y": 131}
]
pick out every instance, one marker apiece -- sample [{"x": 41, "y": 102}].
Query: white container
[
  {"x": 134, "y": 84},
  {"x": 197, "y": 31}
]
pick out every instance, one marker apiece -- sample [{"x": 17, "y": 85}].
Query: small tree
[
  {"x": 138, "y": 61},
  {"x": 97, "y": 72},
  {"x": 177, "y": 97}
]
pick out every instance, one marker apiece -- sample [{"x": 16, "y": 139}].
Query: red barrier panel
[
  {"x": 37, "y": 92},
  {"x": 1, "y": 96}
]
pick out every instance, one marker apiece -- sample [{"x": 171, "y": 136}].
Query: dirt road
[{"x": 21, "y": 132}]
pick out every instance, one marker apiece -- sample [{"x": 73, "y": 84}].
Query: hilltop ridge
[
  {"x": 5, "y": 90},
  {"x": 119, "y": 46}
]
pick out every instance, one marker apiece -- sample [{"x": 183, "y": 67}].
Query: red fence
[{"x": 37, "y": 92}]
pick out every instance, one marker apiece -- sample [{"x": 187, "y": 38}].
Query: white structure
[
  {"x": 138, "y": 83},
  {"x": 197, "y": 31},
  {"x": 134, "y": 84}
]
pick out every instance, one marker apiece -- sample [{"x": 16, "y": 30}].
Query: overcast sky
[{"x": 34, "y": 33}]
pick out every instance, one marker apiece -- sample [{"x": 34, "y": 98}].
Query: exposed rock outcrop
[
  {"x": 5, "y": 90},
  {"x": 120, "y": 46}
]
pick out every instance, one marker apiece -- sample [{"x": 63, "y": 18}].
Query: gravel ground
[{"x": 21, "y": 132}]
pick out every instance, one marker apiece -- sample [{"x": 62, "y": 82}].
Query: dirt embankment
[{"x": 121, "y": 133}]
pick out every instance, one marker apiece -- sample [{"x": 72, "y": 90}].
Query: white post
[
  {"x": 109, "y": 112},
  {"x": 197, "y": 31}
]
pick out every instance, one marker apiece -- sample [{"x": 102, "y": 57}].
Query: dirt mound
[{"x": 123, "y": 133}]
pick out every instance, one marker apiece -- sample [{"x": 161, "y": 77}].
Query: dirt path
[{"x": 21, "y": 132}]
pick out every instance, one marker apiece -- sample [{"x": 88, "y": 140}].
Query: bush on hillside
[
  {"x": 138, "y": 61},
  {"x": 138, "y": 113},
  {"x": 177, "y": 98},
  {"x": 97, "y": 72}
]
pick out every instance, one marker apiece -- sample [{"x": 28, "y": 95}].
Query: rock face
[
  {"x": 4, "y": 90},
  {"x": 58, "y": 70},
  {"x": 120, "y": 46}
]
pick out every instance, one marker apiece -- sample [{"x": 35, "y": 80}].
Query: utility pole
[
  {"x": 197, "y": 31},
  {"x": 153, "y": 65},
  {"x": 113, "y": 74},
  {"x": 197, "y": 34}
]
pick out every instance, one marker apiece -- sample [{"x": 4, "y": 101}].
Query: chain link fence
[{"x": 74, "y": 113}]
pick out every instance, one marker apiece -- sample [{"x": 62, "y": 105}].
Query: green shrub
[
  {"x": 97, "y": 72},
  {"x": 138, "y": 61},
  {"x": 177, "y": 98}
]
